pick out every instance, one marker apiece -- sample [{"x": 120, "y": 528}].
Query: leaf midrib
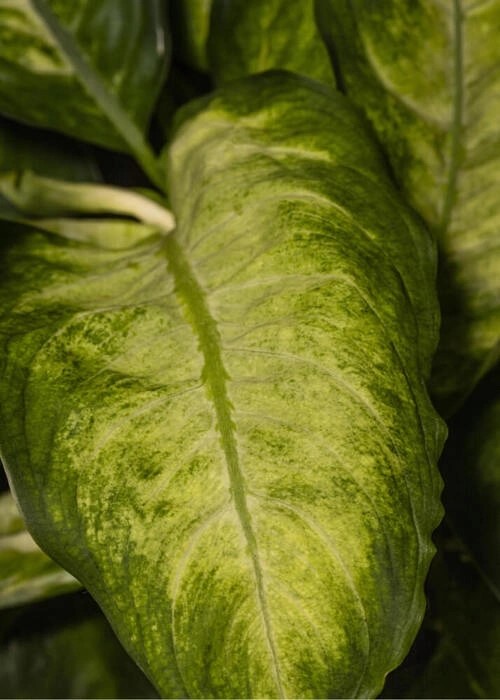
[
  {"x": 97, "y": 89},
  {"x": 215, "y": 376},
  {"x": 456, "y": 123}
]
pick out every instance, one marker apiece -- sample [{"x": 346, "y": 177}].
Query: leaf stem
[
  {"x": 110, "y": 106},
  {"x": 42, "y": 196}
]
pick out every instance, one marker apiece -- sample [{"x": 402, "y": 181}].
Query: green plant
[{"x": 218, "y": 317}]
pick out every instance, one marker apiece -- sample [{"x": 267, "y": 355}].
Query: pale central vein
[
  {"x": 215, "y": 379},
  {"x": 457, "y": 116}
]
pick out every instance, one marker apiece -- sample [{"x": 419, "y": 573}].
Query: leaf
[
  {"x": 26, "y": 573},
  {"x": 191, "y": 19},
  {"x": 224, "y": 431},
  {"x": 65, "y": 648},
  {"x": 427, "y": 75},
  {"x": 251, "y": 37},
  {"x": 90, "y": 69}
]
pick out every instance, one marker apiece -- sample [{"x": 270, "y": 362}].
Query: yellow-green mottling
[
  {"x": 224, "y": 431},
  {"x": 427, "y": 75}
]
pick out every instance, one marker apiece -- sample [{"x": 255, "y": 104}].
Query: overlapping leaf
[
  {"x": 427, "y": 74},
  {"x": 251, "y": 37},
  {"x": 224, "y": 431},
  {"x": 91, "y": 69}
]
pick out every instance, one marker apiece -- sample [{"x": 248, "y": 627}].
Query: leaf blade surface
[
  {"x": 435, "y": 112},
  {"x": 276, "y": 476}
]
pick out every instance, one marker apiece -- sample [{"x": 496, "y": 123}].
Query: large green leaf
[
  {"x": 26, "y": 573},
  {"x": 427, "y": 75},
  {"x": 64, "y": 648},
  {"x": 89, "y": 68},
  {"x": 251, "y": 37},
  {"x": 224, "y": 431}
]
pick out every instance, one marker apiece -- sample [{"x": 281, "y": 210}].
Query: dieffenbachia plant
[
  {"x": 217, "y": 418},
  {"x": 216, "y": 332},
  {"x": 427, "y": 74}
]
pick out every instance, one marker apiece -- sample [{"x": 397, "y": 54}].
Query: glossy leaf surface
[
  {"x": 251, "y": 37},
  {"x": 102, "y": 63},
  {"x": 26, "y": 573},
  {"x": 224, "y": 430},
  {"x": 427, "y": 74}
]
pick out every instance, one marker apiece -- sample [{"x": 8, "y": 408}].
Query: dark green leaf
[
  {"x": 224, "y": 430},
  {"x": 65, "y": 649},
  {"x": 251, "y": 37},
  {"x": 191, "y": 20},
  {"x": 90, "y": 69},
  {"x": 469, "y": 611},
  {"x": 472, "y": 473},
  {"x": 22, "y": 148}
]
